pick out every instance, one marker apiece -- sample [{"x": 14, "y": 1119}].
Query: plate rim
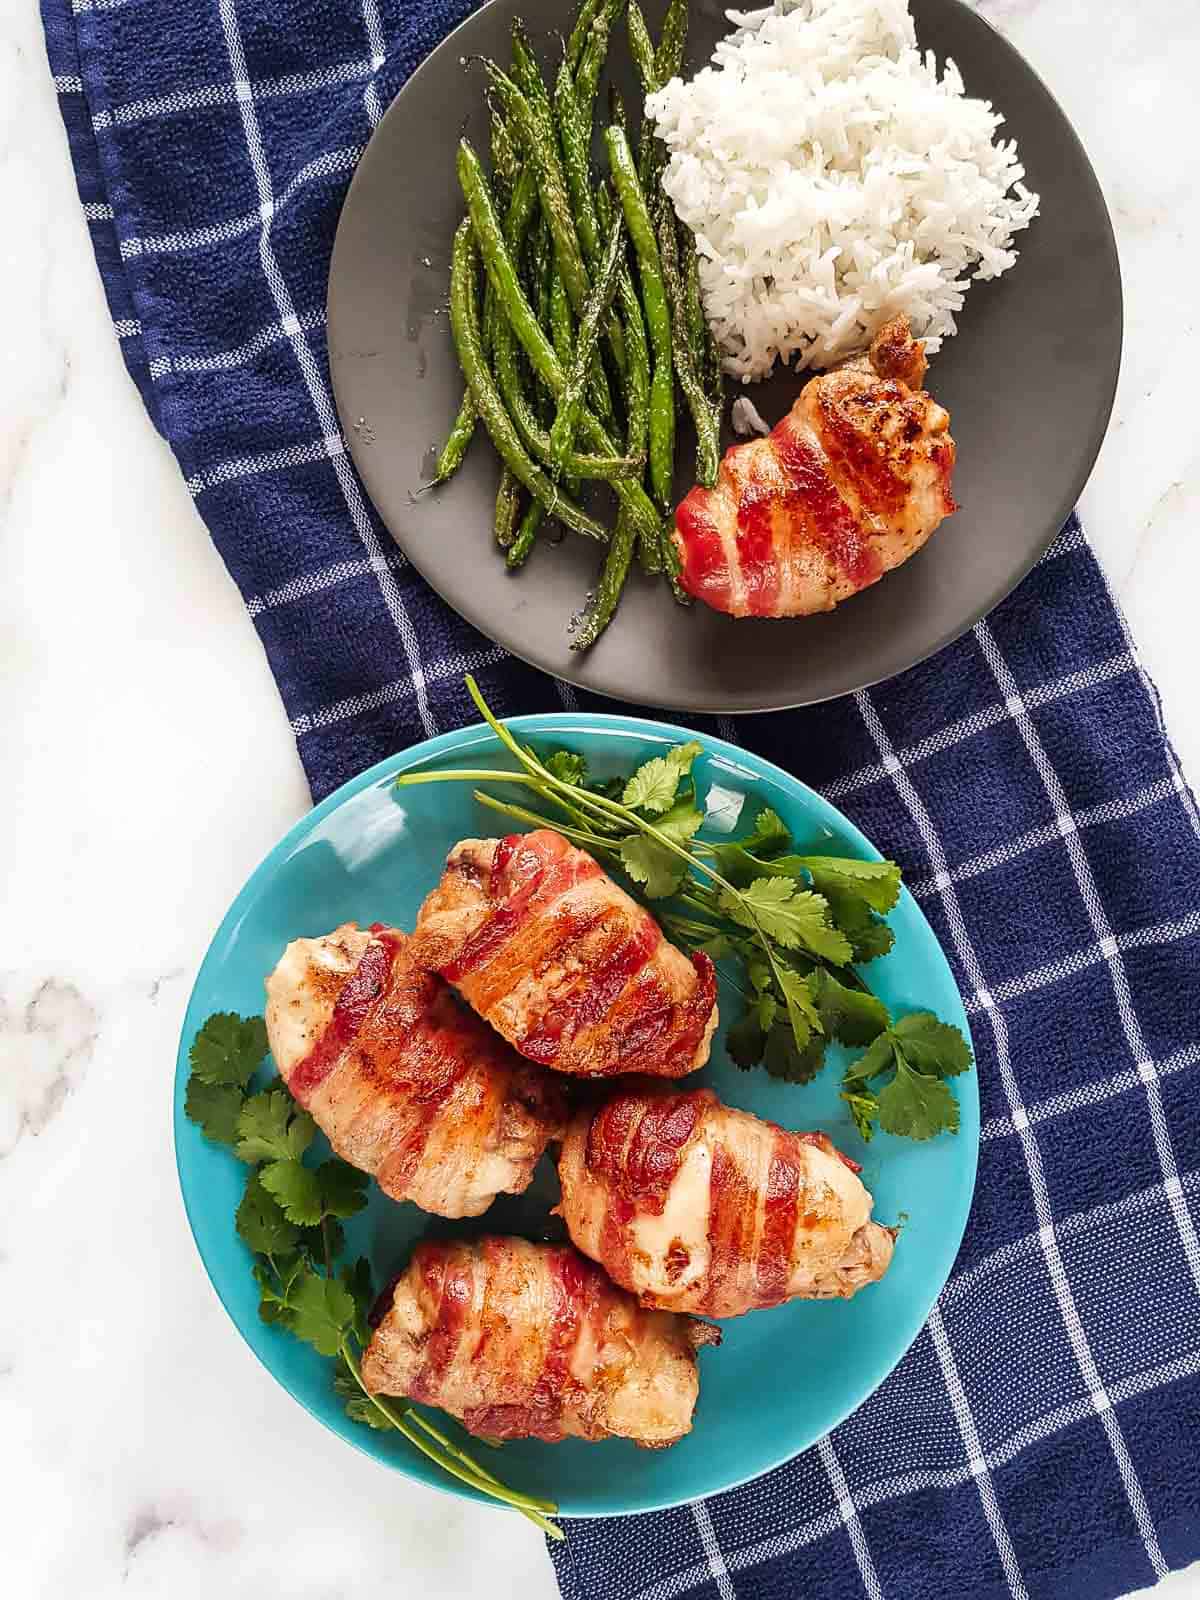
[
  {"x": 535, "y": 724},
  {"x": 508, "y": 637}
]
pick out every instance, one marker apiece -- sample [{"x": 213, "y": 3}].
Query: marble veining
[{"x": 148, "y": 767}]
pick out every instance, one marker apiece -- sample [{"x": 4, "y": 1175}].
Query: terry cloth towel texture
[{"x": 1040, "y": 1439}]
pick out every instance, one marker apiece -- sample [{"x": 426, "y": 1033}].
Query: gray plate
[{"x": 1028, "y": 380}]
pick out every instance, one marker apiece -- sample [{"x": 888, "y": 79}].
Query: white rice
[{"x": 833, "y": 180}]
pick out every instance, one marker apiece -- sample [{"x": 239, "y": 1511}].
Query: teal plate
[{"x": 782, "y": 1378}]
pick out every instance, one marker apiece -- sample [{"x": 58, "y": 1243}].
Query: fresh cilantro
[
  {"x": 214, "y": 1108},
  {"x": 916, "y": 1105},
  {"x": 870, "y": 937},
  {"x": 359, "y": 1406},
  {"x": 361, "y": 1287},
  {"x": 567, "y": 765},
  {"x": 296, "y": 1188},
  {"x": 785, "y": 1058},
  {"x": 851, "y": 1016},
  {"x": 803, "y": 1014},
  {"x": 228, "y": 1049},
  {"x": 932, "y": 1046},
  {"x": 745, "y": 1041},
  {"x": 876, "y": 882},
  {"x": 275, "y": 1280},
  {"x": 272, "y": 1127},
  {"x": 261, "y": 1223},
  {"x": 916, "y": 1102},
  {"x": 652, "y": 865},
  {"x": 654, "y": 785},
  {"x": 791, "y": 916},
  {"x": 681, "y": 823},
  {"x": 343, "y": 1188},
  {"x": 322, "y": 1312},
  {"x": 770, "y": 834}
]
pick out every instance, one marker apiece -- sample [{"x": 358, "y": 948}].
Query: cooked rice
[{"x": 834, "y": 180}]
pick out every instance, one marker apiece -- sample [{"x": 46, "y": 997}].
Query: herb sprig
[
  {"x": 290, "y": 1217},
  {"x": 798, "y": 924}
]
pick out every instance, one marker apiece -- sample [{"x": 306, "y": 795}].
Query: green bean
[
  {"x": 704, "y": 340},
  {"x": 506, "y": 163},
  {"x": 591, "y": 65},
  {"x": 457, "y": 440},
  {"x": 502, "y": 272},
  {"x": 534, "y": 437},
  {"x": 609, "y": 586},
  {"x": 508, "y": 505},
  {"x": 672, "y": 42},
  {"x": 596, "y": 311},
  {"x": 641, "y": 47},
  {"x": 708, "y": 442},
  {"x": 526, "y": 534},
  {"x": 562, "y": 332},
  {"x": 535, "y": 126},
  {"x": 581, "y": 30},
  {"x": 658, "y": 317},
  {"x": 464, "y": 323},
  {"x": 637, "y": 376}
]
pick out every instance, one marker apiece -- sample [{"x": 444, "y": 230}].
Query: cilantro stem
[{"x": 453, "y": 1460}]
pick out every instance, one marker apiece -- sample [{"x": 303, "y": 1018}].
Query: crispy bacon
[
  {"x": 851, "y": 483},
  {"x": 405, "y": 1082},
  {"x": 562, "y": 962},
  {"x": 696, "y": 1207},
  {"x": 522, "y": 1340}
]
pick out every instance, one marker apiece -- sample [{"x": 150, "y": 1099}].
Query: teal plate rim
[{"x": 479, "y": 737}]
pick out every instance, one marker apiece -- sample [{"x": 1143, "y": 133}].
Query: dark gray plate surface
[{"x": 1028, "y": 380}]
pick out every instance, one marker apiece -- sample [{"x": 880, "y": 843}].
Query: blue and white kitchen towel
[{"x": 1042, "y": 1438}]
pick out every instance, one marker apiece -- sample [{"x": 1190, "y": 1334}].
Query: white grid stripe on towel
[
  {"x": 1090, "y": 895},
  {"x": 850, "y": 1519},
  {"x": 203, "y": 95},
  {"x": 310, "y": 369},
  {"x": 1030, "y": 1149},
  {"x": 1092, "y": 1094},
  {"x": 717, "y": 1570},
  {"x": 374, "y": 26}
]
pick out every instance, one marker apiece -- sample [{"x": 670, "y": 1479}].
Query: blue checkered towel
[{"x": 1042, "y": 1438}]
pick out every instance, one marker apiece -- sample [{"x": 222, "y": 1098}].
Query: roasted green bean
[
  {"x": 658, "y": 318},
  {"x": 502, "y": 272},
  {"x": 508, "y": 505},
  {"x": 609, "y": 586},
  {"x": 641, "y": 47},
  {"x": 672, "y": 42},
  {"x": 464, "y": 322},
  {"x": 587, "y": 342},
  {"x": 708, "y": 442},
  {"x": 523, "y": 543},
  {"x": 457, "y": 440},
  {"x": 579, "y": 33}
]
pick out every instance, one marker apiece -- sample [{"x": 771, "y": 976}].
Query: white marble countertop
[{"x": 148, "y": 766}]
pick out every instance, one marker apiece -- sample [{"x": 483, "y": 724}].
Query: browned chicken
[
  {"x": 850, "y": 484},
  {"x": 524, "y": 1340},
  {"x": 405, "y": 1082},
  {"x": 696, "y": 1207},
  {"x": 563, "y": 963}
]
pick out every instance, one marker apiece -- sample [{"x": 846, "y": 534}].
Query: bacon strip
[{"x": 563, "y": 963}]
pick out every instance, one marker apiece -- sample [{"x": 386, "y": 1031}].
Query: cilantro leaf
[
  {"x": 652, "y": 865},
  {"x": 770, "y": 834},
  {"x": 869, "y": 937},
  {"x": 864, "y": 1108},
  {"x": 876, "y": 882},
  {"x": 791, "y": 916},
  {"x": 567, "y": 765},
  {"x": 745, "y": 1041},
  {"x": 878, "y": 1057},
  {"x": 273, "y": 1128},
  {"x": 228, "y": 1048},
  {"x": 214, "y": 1108},
  {"x": 784, "y": 1058},
  {"x": 915, "y": 1105},
  {"x": 849, "y": 1015},
  {"x": 360, "y": 1407},
  {"x": 681, "y": 823},
  {"x": 261, "y": 1223},
  {"x": 655, "y": 783},
  {"x": 802, "y": 1010},
  {"x": 275, "y": 1286},
  {"x": 296, "y": 1188},
  {"x": 932, "y": 1046},
  {"x": 322, "y": 1312},
  {"x": 343, "y": 1188}
]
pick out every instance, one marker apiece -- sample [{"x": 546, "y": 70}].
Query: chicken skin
[
  {"x": 405, "y": 1082},
  {"x": 851, "y": 483},
  {"x": 542, "y": 943},
  {"x": 523, "y": 1340},
  {"x": 696, "y": 1207}
]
